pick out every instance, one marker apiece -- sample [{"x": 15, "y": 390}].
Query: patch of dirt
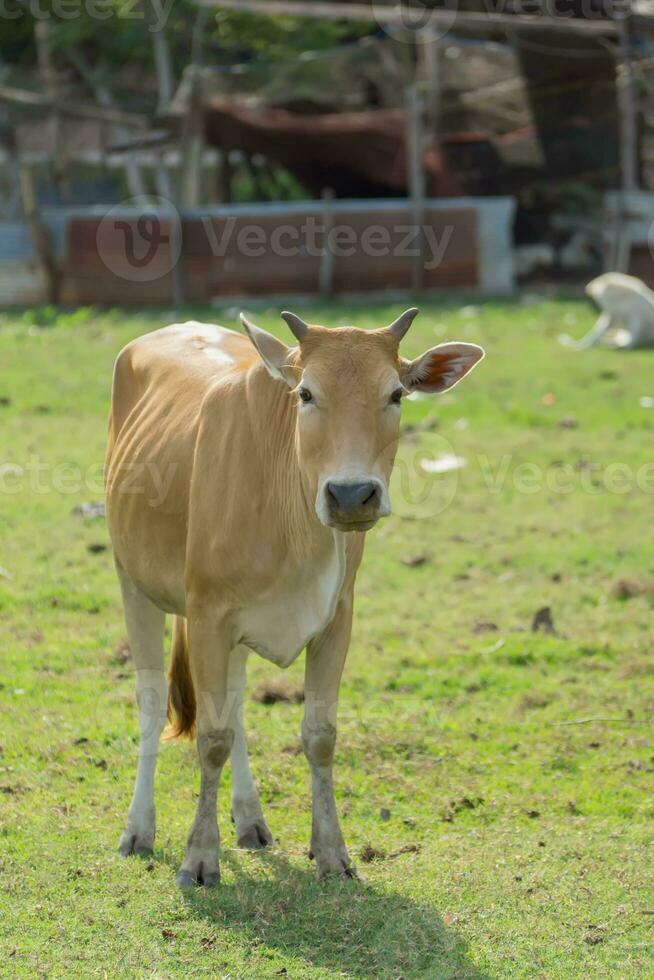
[
  {"x": 485, "y": 627},
  {"x": 637, "y": 668},
  {"x": 629, "y": 588},
  {"x": 457, "y": 806},
  {"x": 15, "y": 790},
  {"x": 369, "y": 853},
  {"x": 594, "y": 935},
  {"x": 415, "y": 561},
  {"x": 406, "y": 849},
  {"x": 530, "y": 701},
  {"x": 543, "y": 622},
  {"x": 122, "y": 653},
  {"x": 96, "y": 548},
  {"x": 279, "y": 692}
]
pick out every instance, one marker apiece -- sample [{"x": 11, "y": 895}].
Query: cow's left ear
[
  {"x": 274, "y": 354},
  {"x": 441, "y": 367}
]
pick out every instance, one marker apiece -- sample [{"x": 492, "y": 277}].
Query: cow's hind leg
[
  {"x": 603, "y": 323},
  {"x": 145, "y": 630},
  {"x": 635, "y": 331},
  {"x": 251, "y": 828}
]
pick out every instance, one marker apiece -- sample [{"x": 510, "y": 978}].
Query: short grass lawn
[{"x": 495, "y": 780}]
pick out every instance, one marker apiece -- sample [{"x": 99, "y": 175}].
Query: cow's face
[{"x": 348, "y": 386}]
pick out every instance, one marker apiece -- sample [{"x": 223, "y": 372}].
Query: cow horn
[
  {"x": 400, "y": 326},
  {"x": 298, "y": 326}
]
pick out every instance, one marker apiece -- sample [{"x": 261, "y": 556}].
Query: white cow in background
[{"x": 625, "y": 303}]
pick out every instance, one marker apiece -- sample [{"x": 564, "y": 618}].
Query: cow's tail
[{"x": 181, "y": 695}]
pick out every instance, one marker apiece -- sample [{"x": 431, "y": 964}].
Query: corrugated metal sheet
[
  {"x": 20, "y": 284},
  {"x": 111, "y": 257},
  {"x": 15, "y": 241}
]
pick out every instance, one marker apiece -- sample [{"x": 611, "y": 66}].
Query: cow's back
[{"x": 160, "y": 383}]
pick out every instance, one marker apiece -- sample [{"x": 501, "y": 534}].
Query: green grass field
[{"x": 498, "y": 780}]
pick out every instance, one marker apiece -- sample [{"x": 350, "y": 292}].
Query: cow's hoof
[
  {"x": 341, "y": 870},
  {"x": 256, "y": 836},
  {"x": 335, "y": 866},
  {"x": 192, "y": 877},
  {"x": 142, "y": 845}
]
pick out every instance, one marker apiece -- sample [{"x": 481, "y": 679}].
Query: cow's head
[{"x": 349, "y": 386}]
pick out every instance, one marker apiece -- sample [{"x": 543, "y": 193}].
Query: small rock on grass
[
  {"x": 89, "y": 510},
  {"x": 415, "y": 561}
]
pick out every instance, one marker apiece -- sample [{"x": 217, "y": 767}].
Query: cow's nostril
[{"x": 351, "y": 496}]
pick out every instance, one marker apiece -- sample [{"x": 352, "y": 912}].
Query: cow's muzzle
[{"x": 353, "y": 505}]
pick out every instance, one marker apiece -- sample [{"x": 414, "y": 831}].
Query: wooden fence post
[
  {"x": 416, "y": 179},
  {"x": 628, "y": 121},
  {"x": 327, "y": 256}
]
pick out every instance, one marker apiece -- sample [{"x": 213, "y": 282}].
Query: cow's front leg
[
  {"x": 324, "y": 666},
  {"x": 251, "y": 828},
  {"x": 209, "y": 648}
]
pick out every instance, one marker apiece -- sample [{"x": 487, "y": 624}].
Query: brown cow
[{"x": 241, "y": 477}]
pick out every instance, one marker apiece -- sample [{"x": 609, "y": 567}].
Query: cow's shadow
[{"x": 347, "y": 926}]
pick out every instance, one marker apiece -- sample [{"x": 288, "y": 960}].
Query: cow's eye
[
  {"x": 396, "y": 397},
  {"x": 305, "y": 396}
]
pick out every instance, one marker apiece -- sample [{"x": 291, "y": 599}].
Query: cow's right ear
[{"x": 274, "y": 354}]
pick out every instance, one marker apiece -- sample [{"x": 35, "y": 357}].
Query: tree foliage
[{"x": 113, "y": 35}]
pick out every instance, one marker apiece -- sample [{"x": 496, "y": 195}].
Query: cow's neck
[{"x": 292, "y": 497}]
